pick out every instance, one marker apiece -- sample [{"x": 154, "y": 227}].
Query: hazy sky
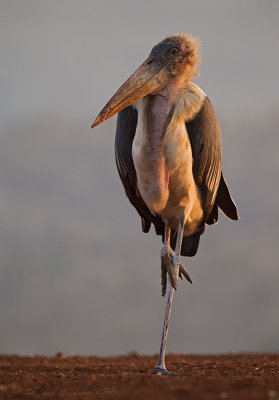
[{"x": 77, "y": 274}]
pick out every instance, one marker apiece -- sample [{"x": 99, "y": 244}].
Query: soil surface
[{"x": 227, "y": 376}]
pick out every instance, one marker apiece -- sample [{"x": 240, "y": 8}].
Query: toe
[
  {"x": 184, "y": 272},
  {"x": 170, "y": 271}
]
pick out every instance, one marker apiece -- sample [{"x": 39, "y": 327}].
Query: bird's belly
[
  {"x": 165, "y": 180},
  {"x": 185, "y": 202},
  {"x": 184, "y": 195}
]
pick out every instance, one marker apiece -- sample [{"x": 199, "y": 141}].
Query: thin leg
[
  {"x": 161, "y": 367},
  {"x": 167, "y": 235},
  {"x": 164, "y": 253}
]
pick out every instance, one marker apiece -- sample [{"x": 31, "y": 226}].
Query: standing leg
[
  {"x": 166, "y": 261},
  {"x": 161, "y": 367}
]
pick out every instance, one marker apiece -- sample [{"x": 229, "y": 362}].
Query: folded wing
[{"x": 205, "y": 137}]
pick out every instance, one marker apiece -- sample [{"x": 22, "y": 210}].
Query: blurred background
[{"x": 77, "y": 275}]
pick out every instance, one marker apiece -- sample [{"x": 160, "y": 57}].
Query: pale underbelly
[{"x": 171, "y": 193}]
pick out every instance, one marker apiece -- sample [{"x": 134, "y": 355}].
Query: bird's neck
[
  {"x": 176, "y": 100},
  {"x": 154, "y": 115},
  {"x": 157, "y": 114}
]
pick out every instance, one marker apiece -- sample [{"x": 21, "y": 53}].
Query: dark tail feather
[
  {"x": 225, "y": 202},
  {"x": 145, "y": 224},
  {"x": 213, "y": 217},
  {"x": 190, "y": 244}
]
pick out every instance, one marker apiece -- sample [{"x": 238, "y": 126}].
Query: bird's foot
[
  {"x": 167, "y": 255},
  {"x": 164, "y": 372}
]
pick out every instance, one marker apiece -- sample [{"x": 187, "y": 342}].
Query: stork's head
[
  {"x": 179, "y": 54},
  {"x": 176, "y": 56}
]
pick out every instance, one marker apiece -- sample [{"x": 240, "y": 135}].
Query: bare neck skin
[{"x": 158, "y": 111}]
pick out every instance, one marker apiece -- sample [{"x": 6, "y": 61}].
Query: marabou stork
[{"x": 168, "y": 155}]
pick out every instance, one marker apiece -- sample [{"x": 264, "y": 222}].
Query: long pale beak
[{"x": 148, "y": 78}]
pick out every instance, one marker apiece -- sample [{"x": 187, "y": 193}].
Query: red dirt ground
[{"x": 227, "y": 376}]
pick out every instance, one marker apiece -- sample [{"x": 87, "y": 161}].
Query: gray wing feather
[{"x": 205, "y": 137}]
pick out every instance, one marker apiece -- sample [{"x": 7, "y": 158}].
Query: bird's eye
[{"x": 174, "y": 50}]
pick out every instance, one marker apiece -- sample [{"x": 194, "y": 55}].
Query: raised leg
[{"x": 160, "y": 368}]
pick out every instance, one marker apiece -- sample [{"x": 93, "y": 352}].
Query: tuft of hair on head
[{"x": 193, "y": 46}]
